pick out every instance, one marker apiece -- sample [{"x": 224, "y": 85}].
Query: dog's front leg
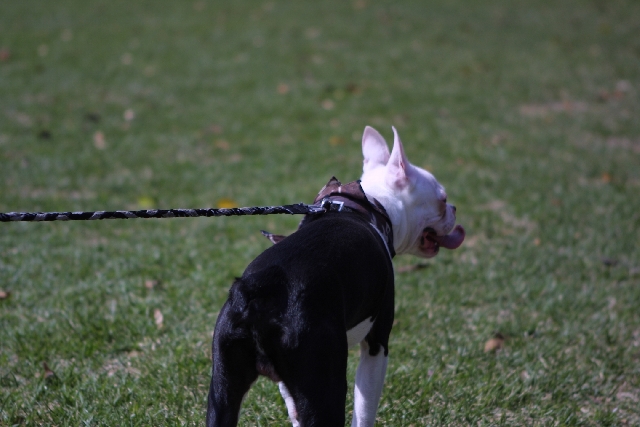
[{"x": 369, "y": 382}]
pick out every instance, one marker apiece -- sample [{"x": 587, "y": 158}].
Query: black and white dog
[{"x": 303, "y": 302}]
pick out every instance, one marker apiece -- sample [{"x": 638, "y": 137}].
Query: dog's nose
[{"x": 454, "y": 208}]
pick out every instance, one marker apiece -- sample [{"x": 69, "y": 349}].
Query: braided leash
[{"x": 325, "y": 205}]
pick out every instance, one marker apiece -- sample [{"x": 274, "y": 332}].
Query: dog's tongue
[{"x": 452, "y": 240}]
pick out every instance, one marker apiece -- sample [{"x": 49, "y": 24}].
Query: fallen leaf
[
  {"x": 99, "y": 141},
  {"x": 283, "y": 88},
  {"x": 226, "y": 203},
  {"x": 4, "y": 294},
  {"x": 328, "y": 104},
  {"x": 145, "y": 202},
  {"x": 494, "y": 344},
  {"x": 129, "y": 114},
  {"x": 336, "y": 140},
  {"x": 150, "y": 284},
  {"x": 606, "y": 177},
  {"x": 158, "y": 317},
  {"x": 5, "y": 54},
  {"x": 222, "y": 144},
  {"x": 48, "y": 373}
]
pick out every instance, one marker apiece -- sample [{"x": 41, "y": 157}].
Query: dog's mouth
[{"x": 430, "y": 242}]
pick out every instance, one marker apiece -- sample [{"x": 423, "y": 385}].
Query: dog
[{"x": 304, "y": 301}]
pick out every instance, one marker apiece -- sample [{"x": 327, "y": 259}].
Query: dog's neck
[
  {"x": 403, "y": 237},
  {"x": 353, "y": 199}
]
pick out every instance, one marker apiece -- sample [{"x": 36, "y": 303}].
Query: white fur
[
  {"x": 368, "y": 390},
  {"x": 413, "y": 198},
  {"x": 291, "y": 406},
  {"x": 358, "y": 332}
]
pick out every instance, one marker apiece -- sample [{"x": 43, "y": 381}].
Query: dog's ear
[
  {"x": 374, "y": 149},
  {"x": 398, "y": 167}
]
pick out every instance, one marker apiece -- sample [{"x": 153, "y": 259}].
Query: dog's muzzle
[{"x": 453, "y": 240}]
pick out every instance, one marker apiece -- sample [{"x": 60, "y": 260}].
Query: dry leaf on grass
[
  {"x": 283, "y": 88},
  {"x": 150, "y": 283},
  {"x": 328, "y": 104},
  {"x": 494, "y": 344},
  {"x": 226, "y": 203},
  {"x": 158, "y": 317},
  {"x": 129, "y": 114},
  {"x": 145, "y": 202},
  {"x": 5, "y": 55},
  {"x": 222, "y": 144},
  {"x": 48, "y": 373},
  {"x": 336, "y": 140},
  {"x": 4, "y": 294},
  {"x": 99, "y": 141}
]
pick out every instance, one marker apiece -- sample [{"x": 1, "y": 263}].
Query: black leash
[{"x": 323, "y": 206}]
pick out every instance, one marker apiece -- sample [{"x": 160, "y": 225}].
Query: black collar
[{"x": 350, "y": 197}]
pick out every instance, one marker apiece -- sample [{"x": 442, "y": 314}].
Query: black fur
[{"x": 288, "y": 314}]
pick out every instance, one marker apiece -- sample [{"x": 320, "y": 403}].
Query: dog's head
[{"x": 415, "y": 201}]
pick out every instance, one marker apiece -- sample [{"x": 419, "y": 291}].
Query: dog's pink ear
[
  {"x": 374, "y": 149},
  {"x": 398, "y": 167}
]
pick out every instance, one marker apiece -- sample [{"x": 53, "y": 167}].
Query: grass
[{"x": 527, "y": 111}]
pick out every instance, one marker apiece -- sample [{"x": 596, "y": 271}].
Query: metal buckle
[{"x": 327, "y": 204}]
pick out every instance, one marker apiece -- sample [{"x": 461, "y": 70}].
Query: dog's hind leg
[
  {"x": 291, "y": 405},
  {"x": 369, "y": 381},
  {"x": 234, "y": 370},
  {"x": 315, "y": 379}
]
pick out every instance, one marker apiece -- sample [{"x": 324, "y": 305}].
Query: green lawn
[{"x": 527, "y": 111}]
